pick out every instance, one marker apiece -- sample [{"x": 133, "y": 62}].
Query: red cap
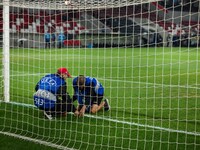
[{"x": 64, "y": 71}]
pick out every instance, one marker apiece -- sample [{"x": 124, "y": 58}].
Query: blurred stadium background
[{"x": 144, "y": 52}]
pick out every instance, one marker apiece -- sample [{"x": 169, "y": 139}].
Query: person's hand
[
  {"x": 76, "y": 113},
  {"x": 81, "y": 114},
  {"x": 82, "y": 111}
]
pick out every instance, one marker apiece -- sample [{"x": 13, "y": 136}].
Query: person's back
[
  {"x": 51, "y": 83},
  {"x": 51, "y": 95},
  {"x": 91, "y": 84},
  {"x": 48, "y": 85}
]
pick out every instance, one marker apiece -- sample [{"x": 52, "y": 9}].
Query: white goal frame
[{"x": 75, "y": 5}]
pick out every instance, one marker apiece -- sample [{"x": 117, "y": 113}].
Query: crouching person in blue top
[
  {"x": 51, "y": 94},
  {"x": 90, "y": 93}
]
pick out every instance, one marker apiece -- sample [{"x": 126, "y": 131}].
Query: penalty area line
[{"x": 125, "y": 122}]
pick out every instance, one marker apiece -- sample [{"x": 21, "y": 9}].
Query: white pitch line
[
  {"x": 124, "y": 81},
  {"x": 126, "y": 122},
  {"x": 146, "y": 126}
]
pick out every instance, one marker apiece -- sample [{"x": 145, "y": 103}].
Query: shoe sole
[
  {"x": 48, "y": 116},
  {"x": 108, "y": 108}
]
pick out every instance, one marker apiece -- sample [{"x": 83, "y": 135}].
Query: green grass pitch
[{"x": 153, "y": 92}]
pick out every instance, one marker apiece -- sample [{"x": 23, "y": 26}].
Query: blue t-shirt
[
  {"x": 91, "y": 84},
  {"x": 61, "y": 37},
  {"x": 47, "y": 37},
  {"x": 53, "y": 37},
  {"x": 51, "y": 83},
  {"x": 46, "y": 88}
]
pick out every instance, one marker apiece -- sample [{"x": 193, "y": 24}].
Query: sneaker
[
  {"x": 106, "y": 105},
  {"x": 48, "y": 115}
]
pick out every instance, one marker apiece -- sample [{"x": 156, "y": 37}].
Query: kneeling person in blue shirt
[
  {"x": 89, "y": 92},
  {"x": 51, "y": 95}
]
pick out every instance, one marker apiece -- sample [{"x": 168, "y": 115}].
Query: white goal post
[
  {"x": 144, "y": 52},
  {"x": 6, "y": 52}
]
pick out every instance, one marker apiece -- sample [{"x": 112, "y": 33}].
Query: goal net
[{"x": 145, "y": 53}]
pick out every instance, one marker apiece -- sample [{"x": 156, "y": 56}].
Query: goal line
[{"x": 122, "y": 122}]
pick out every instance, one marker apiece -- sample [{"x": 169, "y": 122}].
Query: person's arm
[
  {"x": 75, "y": 87},
  {"x": 95, "y": 85},
  {"x": 77, "y": 93},
  {"x": 82, "y": 111},
  {"x": 62, "y": 92},
  {"x": 36, "y": 87},
  {"x": 74, "y": 98},
  {"x": 67, "y": 99},
  {"x": 71, "y": 107}
]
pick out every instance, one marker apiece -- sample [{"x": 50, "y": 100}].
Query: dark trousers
[
  {"x": 47, "y": 44},
  {"x": 62, "y": 106}
]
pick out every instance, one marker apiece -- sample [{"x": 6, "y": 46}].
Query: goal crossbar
[{"x": 73, "y": 4}]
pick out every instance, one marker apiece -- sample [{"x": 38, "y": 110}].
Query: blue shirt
[
  {"x": 47, "y": 37},
  {"x": 51, "y": 83},
  {"x": 47, "y": 90},
  {"x": 61, "y": 37},
  {"x": 91, "y": 84},
  {"x": 53, "y": 37}
]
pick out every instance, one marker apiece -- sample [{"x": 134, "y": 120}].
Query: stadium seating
[{"x": 39, "y": 23}]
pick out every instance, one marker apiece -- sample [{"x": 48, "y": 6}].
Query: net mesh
[
  {"x": 146, "y": 55},
  {"x": 73, "y": 4}
]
